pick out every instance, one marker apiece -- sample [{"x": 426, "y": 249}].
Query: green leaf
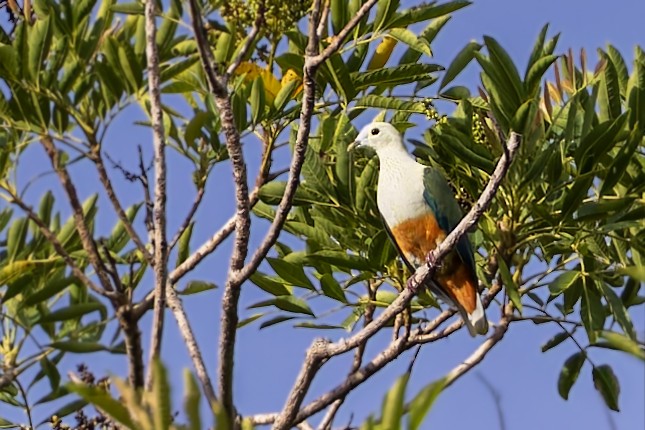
[
  {"x": 609, "y": 98},
  {"x": 272, "y": 192},
  {"x": 511, "y": 287},
  {"x": 425, "y": 12},
  {"x": 50, "y": 370},
  {"x": 78, "y": 347},
  {"x": 422, "y": 402},
  {"x": 16, "y": 237},
  {"x": 634, "y": 272},
  {"x": 257, "y": 100},
  {"x": 331, "y": 288},
  {"x": 183, "y": 251},
  {"x": 269, "y": 284},
  {"x": 460, "y": 61},
  {"x": 555, "y": 341},
  {"x": 393, "y": 404},
  {"x": 505, "y": 67},
  {"x": 636, "y": 93},
  {"x": 192, "y": 401},
  {"x": 71, "y": 312},
  {"x": 276, "y": 320},
  {"x": 607, "y": 384},
  {"x": 623, "y": 343},
  {"x": 392, "y": 76},
  {"x": 341, "y": 259},
  {"x": 563, "y": 281},
  {"x": 134, "y": 8},
  {"x": 291, "y": 273},
  {"x": 592, "y": 311},
  {"x": 569, "y": 373},
  {"x": 161, "y": 405},
  {"x": 68, "y": 408},
  {"x": 536, "y": 72},
  {"x": 383, "y": 102},
  {"x": 195, "y": 287},
  {"x": 287, "y": 303},
  {"x": 102, "y": 399},
  {"x": 249, "y": 320},
  {"x": 618, "y": 309},
  {"x": 412, "y": 40}
]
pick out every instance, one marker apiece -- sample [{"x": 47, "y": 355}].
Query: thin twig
[
  {"x": 189, "y": 217},
  {"x": 159, "y": 209}
]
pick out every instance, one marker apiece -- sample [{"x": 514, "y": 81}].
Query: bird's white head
[{"x": 378, "y": 136}]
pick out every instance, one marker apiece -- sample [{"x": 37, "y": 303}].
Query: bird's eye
[{"x": 375, "y": 131}]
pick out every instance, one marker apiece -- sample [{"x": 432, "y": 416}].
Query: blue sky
[{"x": 267, "y": 361}]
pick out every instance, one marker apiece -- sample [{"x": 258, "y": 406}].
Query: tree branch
[
  {"x": 159, "y": 208},
  {"x": 189, "y": 217},
  {"x": 89, "y": 245},
  {"x": 420, "y": 277},
  {"x": 175, "y": 304},
  {"x": 231, "y": 294}
]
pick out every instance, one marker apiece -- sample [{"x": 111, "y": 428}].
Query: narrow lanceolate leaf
[
  {"x": 102, "y": 399},
  {"x": 195, "y": 287},
  {"x": 331, "y": 288},
  {"x": 391, "y": 76},
  {"x": 422, "y": 402},
  {"x": 555, "y": 341},
  {"x": 462, "y": 59},
  {"x": 191, "y": 401},
  {"x": 621, "y": 342},
  {"x": 71, "y": 312},
  {"x": 393, "y": 404},
  {"x": 563, "y": 281},
  {"x": 412, "y": 40},
  {"x": 618, "y": 310},
  {"x": 607, "y": 384},
  {"x": 383, "y": 102},
  {"x": 511, "y": 287},
  {"x": 292, "y": 273},
  {"x": 287, "y": 303},
  {"x": 569, "y": 373},
  {"x": 162, "y": 408}
]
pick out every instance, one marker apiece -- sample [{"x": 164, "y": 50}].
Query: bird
[{"x": 419, "y": 210}]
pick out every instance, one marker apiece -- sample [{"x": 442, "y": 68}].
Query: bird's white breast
[{"x": 400, "y": 189}]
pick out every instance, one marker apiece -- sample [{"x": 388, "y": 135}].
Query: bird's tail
[{"x": 476, "y": 320}]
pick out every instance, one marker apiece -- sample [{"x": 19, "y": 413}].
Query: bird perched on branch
[{"x": 419, "y": 210}]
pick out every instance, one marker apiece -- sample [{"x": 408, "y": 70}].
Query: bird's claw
[
  {"x": 411, "y": 284},
  {"x": 431, "y": 261}
]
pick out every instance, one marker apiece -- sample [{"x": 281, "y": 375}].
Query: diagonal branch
[
  {"x": 58, "y": 247},
  {"x": 159, "y": 208},
  {"x": 89, "y": 245},
  {"x": 175, "y": 304},
  {"x": 317, "y": 355}
]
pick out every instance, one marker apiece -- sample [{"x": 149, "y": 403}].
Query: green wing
[{"x": 441, "y": 200}]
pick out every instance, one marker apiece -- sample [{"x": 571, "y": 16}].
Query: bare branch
[
  {"x": 483, "y": 349},
  {"x": 175, "y": 304},
  {"x": 89, "y": 245},
  {"x": 159, "y": 208},
  {"x": 264, "y": 419},
  {"x": 231, "y": 294}
]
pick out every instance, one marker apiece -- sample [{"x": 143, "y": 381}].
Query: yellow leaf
[
  {"x": 252, "y": 71},
  {"x": 382, "y": 53},
  {"x": 289, "y": 76}
]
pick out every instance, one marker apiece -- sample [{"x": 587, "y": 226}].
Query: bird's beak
[{"x": 355, "y": 144}]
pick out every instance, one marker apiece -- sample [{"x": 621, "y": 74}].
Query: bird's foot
[
  {"x": 431, "y": 261},
  {"x": 411, "y": 284}
]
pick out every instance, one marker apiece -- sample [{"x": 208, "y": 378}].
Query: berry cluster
[{"x": 277, "y": 16}]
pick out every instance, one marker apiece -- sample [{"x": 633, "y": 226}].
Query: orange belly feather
[{"x": 416, "y": 238}]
